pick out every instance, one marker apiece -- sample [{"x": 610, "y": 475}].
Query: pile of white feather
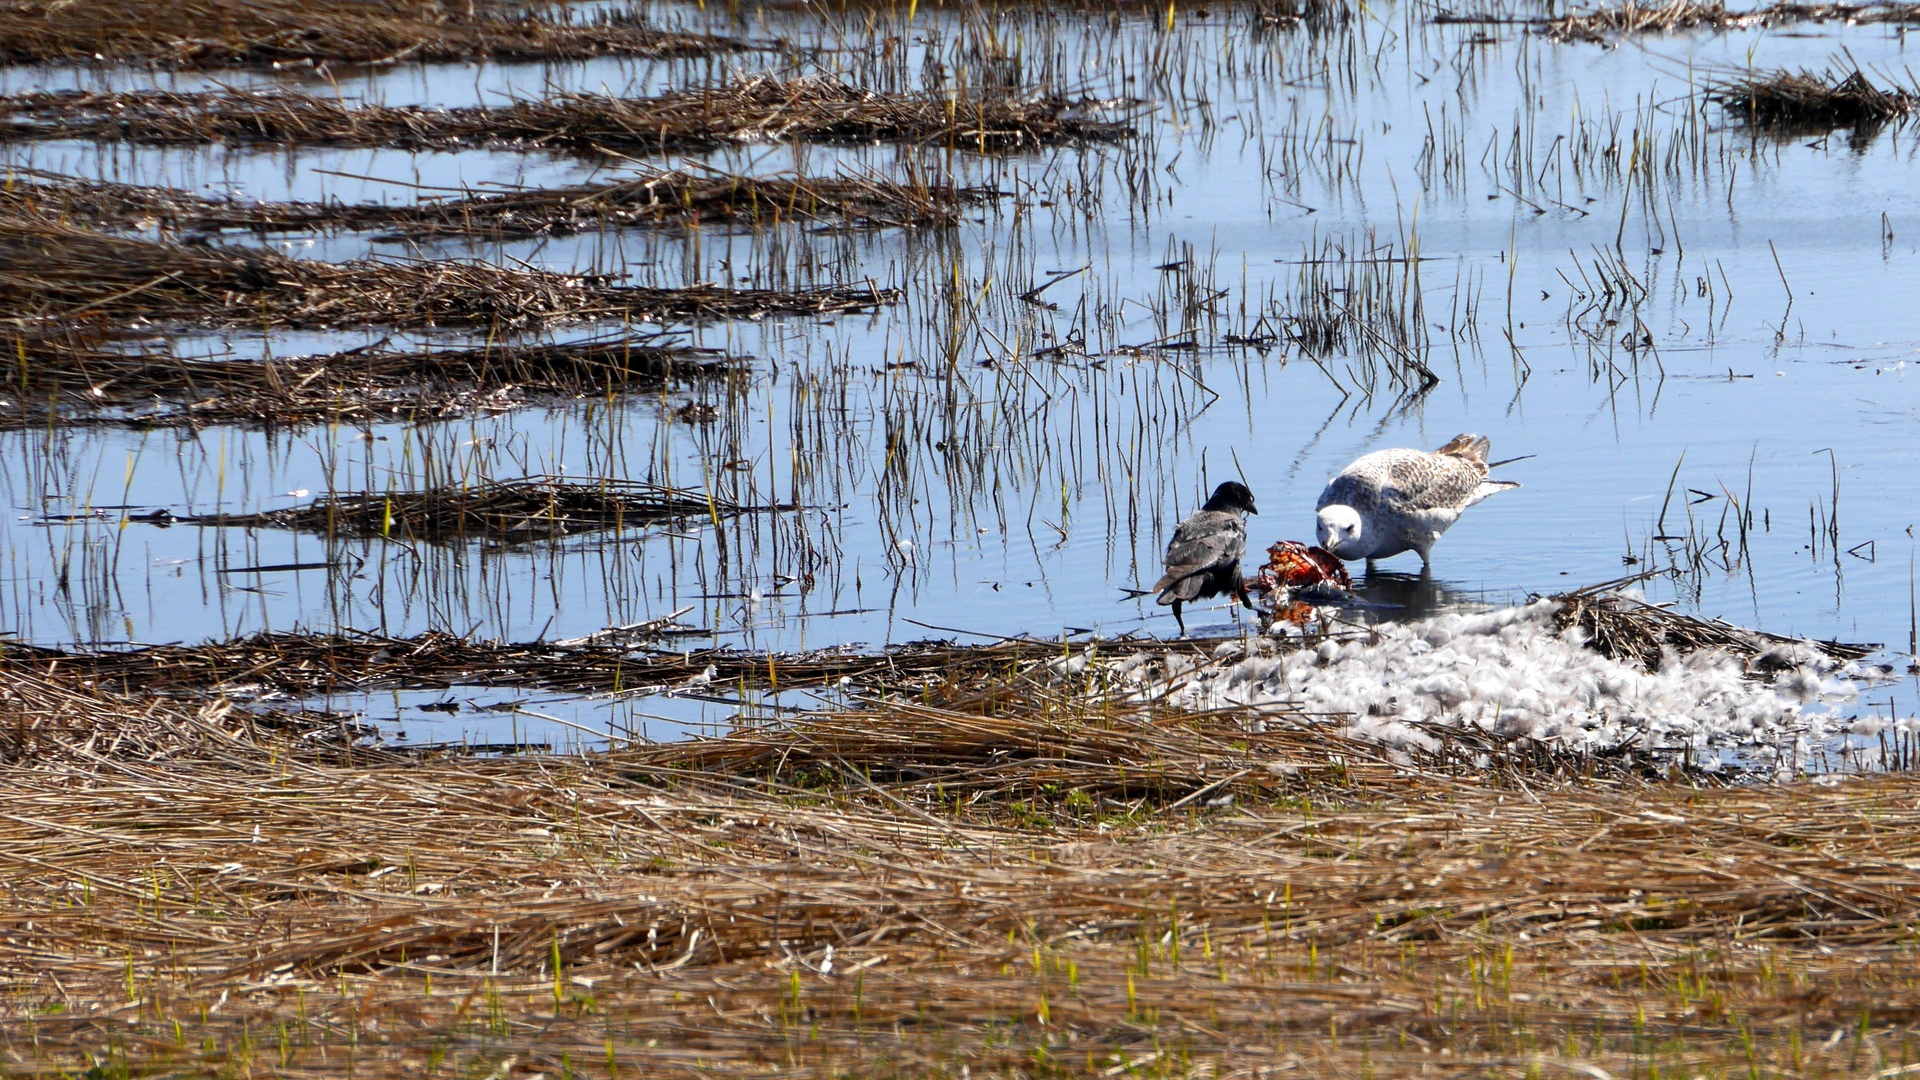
[{"x": 1511, "y": 672}]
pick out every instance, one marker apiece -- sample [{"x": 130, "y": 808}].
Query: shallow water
[{"x": 955, "y": 483}]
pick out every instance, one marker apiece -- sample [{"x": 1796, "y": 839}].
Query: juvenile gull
[
  {"x": 1203, "y": 558},
  {"x": 1392, "y": 501}
]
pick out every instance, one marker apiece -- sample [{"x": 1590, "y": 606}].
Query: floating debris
[
  {"x": 1812, "y": 100},
  {"x": 681, "y": 197},
  {"x": 53, "y": 273},
  {"x": 282, "y": 34},
  {"x": 762, "y": 109},
  {"x": 67, "y": 381},
  {"x": 507, "y": 511}
]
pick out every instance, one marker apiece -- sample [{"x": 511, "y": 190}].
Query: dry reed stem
[
  {"x": 753, "y": 110},
  {"x": 52, "y": 273},
  {"x": 281, "y": 34},
  {"x": 253, "y": 908},
  {"x": 652, "y": 197},
  {"x": 68, "y": 381}
]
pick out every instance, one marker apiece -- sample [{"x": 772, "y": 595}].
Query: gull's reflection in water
[{"x": 1384, "y": 596}]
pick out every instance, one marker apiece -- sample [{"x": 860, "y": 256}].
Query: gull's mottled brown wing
[{"x": 1431, "y": 481}]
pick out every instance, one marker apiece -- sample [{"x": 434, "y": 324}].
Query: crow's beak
[{"x": 1251, "y": 510}]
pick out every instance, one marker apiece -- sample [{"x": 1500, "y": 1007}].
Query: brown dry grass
[
  {"x": 54, "y": 274},
  {"x": 280, "y": 34},
  {"x": 242, "y": 907},
  {"x": 761, "y": 109}
]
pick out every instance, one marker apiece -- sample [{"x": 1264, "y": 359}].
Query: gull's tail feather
[{"x": 1469, "y": 446}]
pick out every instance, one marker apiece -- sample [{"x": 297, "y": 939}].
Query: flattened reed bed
[
  {"x": 307, "y": 664},
  {"x": 310, "y": 33},
  {"x": 57, "y": 274},
  {"x": 1600, "y": 26},
  {"x": 251, "y": 905},
  {"x": 652, "y": 198},
  {"x": 761, "y": 109},
  {"x": 1806, "y": 100},
  {"x": 69, "y": 381},
  {"x": 506, "y": 511}
]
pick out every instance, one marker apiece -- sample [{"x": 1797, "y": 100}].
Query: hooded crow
[{"x": 1203, "y": 558}]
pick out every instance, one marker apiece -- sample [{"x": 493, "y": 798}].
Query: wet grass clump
[
  {"x": 651, "y": 198},
  {"x": 1808, "y": 100},
  {"x": 762, "y": 109},
  {"x": 280, "y": 34},
  {"x": 504, "y": 511},
  {"x": 66, "y": 380},
  {"x": 52, "y": 273},
  {"x": 1627, "y": 628}
]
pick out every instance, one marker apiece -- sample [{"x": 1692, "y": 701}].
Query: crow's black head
[{"x": 1232, "y": 495}]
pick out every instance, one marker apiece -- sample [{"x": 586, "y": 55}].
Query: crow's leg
[
  {"x": 1245, "y": 601},
  {"x": 1182, "y": 623}
]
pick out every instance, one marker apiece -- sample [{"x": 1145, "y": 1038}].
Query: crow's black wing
[{"x": 1209, "y": 541}]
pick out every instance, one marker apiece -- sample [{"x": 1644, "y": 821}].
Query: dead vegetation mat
[
  {"x": 281, "y": 34},
  {"x": 649, "y": 198},
  {"x": 1604, "y": 24},
  {"x": 505, "y": 511},
  {"x": 71, "y": 380},
  {"x": 753, "y": 110},
  {"x": 303, "y": 664},
  {"x": 53, "y": 274},
  {"x": 1627, "y": 628},
  {"x": 237, "y": 901}
]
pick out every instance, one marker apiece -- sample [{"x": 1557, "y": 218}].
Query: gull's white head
[{"x": 1341, "y": 530}]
